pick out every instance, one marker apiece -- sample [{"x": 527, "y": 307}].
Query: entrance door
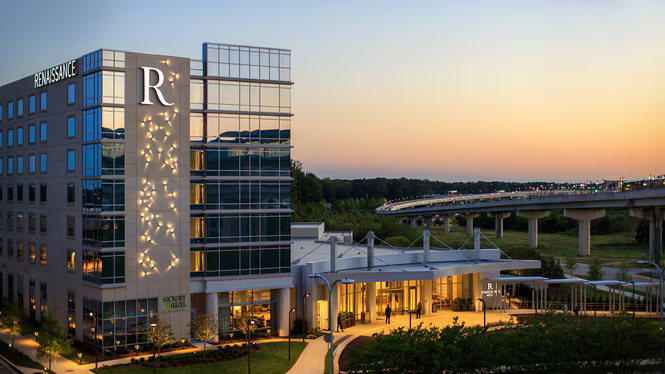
[
  {"x": 322, "y": 314},
  {"x": 397, "y": 301},
  {"x": 413, "y": 304}
]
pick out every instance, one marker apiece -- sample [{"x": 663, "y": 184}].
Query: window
[
  {"x": 19, "y": 164},
  {"x": 71, "y": 191},
  {"x": 103, "y": 231},
  {"x": 42, "y": 223},
  {"x": 1, "y": 253},
  {"x": 247, "y": 62},
  {"x": 1, "y": 112},
  {"x": 19, "y": 108},
  {"x": 32, "y": 163},
  {"x": 19, "y": 222},
  {"x": 42, "y": 163},
  {"x": 71, "y": 160},
  {"x": 1, "y": 141},
  {"x": 32, "y": 253},
  {"x": 0, "y": 200},
  {"x": 10, "y": 248},
  {"x": 43, "y": 297},
  {"x": 10, "y": 192},
  {"x": 42, "y": 193},
  {"x": 19, "y": 136},
  {"x": 71, "y": 127},
  {"x": 32, "y": 192},
  {"x": 103, "y": 123},
  {"x": 1, "y": 163},
  {"x": 71, "y": 313},
  {"x": 19, "y": 192},
  {"x": 43, "y": 253},
  {"x": 71, "y": 226},
  {"x": 10, "y": 165},
  {"x": 42, "y": 101},
  {"x": 71, "y": 93},
  {"x": 103, "y": 159},
  {"x": 101, "y": 58},
  {"x": 103, "y": 268},
  {"x": 104, "y": 87},
  {"x": 43, "y": 135},
  {"x": 243, "y": 96},
  {"x": 19, "y": 249},
  {"x": 32, "y": 223},
  {"x": 71, "y": 260},
  {"x": 103, "y": 195},
  {"x": 32, "y": 134},
  {"x": 10, "y": 138},
  {"x": 10, "y": 110},
  {"x": 33, "y": 104}
]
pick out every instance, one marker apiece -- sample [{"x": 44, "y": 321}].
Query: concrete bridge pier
[
  {"x": 469, "y": 222},
  {"x": 533, "y": 216},
  {"x": 498, "y": 222},
  {"x": 446, "y": 221},
  {"x": 654, "y": 215},
  {"x": 584, "y": 216}
]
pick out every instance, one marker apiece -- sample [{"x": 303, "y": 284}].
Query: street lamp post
[
  {"x": 634, "y": 310},
  {"x": 94, "y": 333},
  {"x": 304, "y": 315},
  {"x": 330, "y": 312},
  {"x": 660, "y": 307},
  {"x": 408, "y": 311},
  {"x": 154, "y": 353},
  {"x": 484, "y": 315},
  {"x": 251, "y": 323},
  {"x": 290, "y": 311}
]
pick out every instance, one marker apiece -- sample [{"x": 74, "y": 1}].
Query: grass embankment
[
  {"x": 271, "y": 358},
  {"x": 559, "y": 245},
  {"x": 17, "y": 358}
]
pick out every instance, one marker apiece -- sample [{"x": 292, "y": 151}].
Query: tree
[
  {"x": 205, "y": 328},
  {"x": 12, "y": 315},
  {"x": 623, "y": 275},
  {"x": 596, "y": 269},
  {"x": 52, "y": 340},
  {"x": 160, "y": 334},
  {"x": 571, "y": 264}
]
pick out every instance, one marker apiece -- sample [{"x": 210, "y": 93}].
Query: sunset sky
[{"x": 448, "y": 90}]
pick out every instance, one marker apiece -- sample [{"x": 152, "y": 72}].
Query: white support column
[
  {"x": 426, "y": 296},
  {"x": 446, "y": 222},
  {"x": 477, "y": 291},
  {"x": 283, "y": 308},
  {"x": 533, "y": 216},
  {"x": 469, "y": 222},
  {"x": 212, "y": 309},
  {"x": 335, "y": 306},
  {"x": 498, "y": 222},
  {"x": 370, "y": 299},
  {"x": 584, "y": 216}
]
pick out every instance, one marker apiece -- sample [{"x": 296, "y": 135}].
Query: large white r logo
[
  {"x": 489, "y": 286},
  {"x": 147, "y": 86}
]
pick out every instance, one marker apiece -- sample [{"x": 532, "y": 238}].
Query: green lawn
[
  {"x": 326, "y": 370},
  {"x": 559, "y": 245},
  {"x": 17, "y": 358},
  {"x": 270, "y": 358}
]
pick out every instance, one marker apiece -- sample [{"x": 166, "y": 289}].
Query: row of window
[
  {"x": 103, "y": 268},
  {"x": 20, "y": 251},
  {"x": 16, "y": 221},
  {"x": 239, "y": 161},
  {"x": 242, "y": 96},
  {"x": 242, "y": 228},
  {"x": 17, "y": 191},
  {"x": 20, "y": 284},
  {"x": 103, "y": 231},
  {"x": 32, "y": 163},
  {"x": 235, "y": 128},
  {"x": 247, "y": 62},
  {"x": 213, "y": 195},
  {"x": 107, "y": 87},
  {"x": 19, "y": 138},
  {"x": 119, "y": 323},
  {"x": 20, "y": 106},
  {"x": 213, "y": 262}
]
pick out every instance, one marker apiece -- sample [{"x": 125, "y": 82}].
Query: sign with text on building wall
[
  {"x": 174, "y": 304},
  {"x": 56, "y": 74},
  {"x": 490, "y": 291}
]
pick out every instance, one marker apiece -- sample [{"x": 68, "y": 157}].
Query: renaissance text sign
[{"x": 56, "y": 74}]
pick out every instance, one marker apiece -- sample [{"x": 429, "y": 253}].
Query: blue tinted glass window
[
  {"x": 1, "y": 143},
  {"x": 43, "y": 134},
  {"x": 71, "y": 127},
  {"x": 19, "y": 164},
  {"x": 42, "y": 162},
  {"x": 10, "y": 165},
  {"x": 32, "y": 163},
  {"x": 10, "y": 110},
  {"x": 32, "y": 134},
  {"x": 1, "y": 166},
  {"x": 71, "y": 93},
  {"x": 1, "y": 113},
  {"x": 19, "y": 107},
  {"x": 103, "y": 123},
  {"x": 10, "y": 138},
  {"x": 92, "y": 89},
  {"x": 92, "y": 61},
  {"x": 71, "y": 160},
  {"x": 19, "y": 136},
  {"x": 103, "y": 159},
  {"x": 42, "y": 101},
  {"x": 33, "y": 104}
]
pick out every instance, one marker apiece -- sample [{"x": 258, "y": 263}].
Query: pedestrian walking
[
  {"x": 419, "y": 309},
  {"x": 339, "y": 322},
  {"x": 388, "y": 311}
]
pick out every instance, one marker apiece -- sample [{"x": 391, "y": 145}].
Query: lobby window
[
  {"x": 32, "y": 191},
  {"x": 42, "y": 193},
  {"x": 103, "y": 231},
  {"x": 71, "y": 160},
  {"x": 32, "y": 223},
  {"x": 103, "y": 268},
  {"x": 103, "y": 195},
  {"x": 10, "y": 110},
  {"x": 32, "y": 163},
  {"x": 10, "y": 138},
  {"x": 19, "y": 222},
  {"x": 32, "y": 134},
  {"x": 71, "y": 127},
  {"x": 33, "y": 104},
  {"x": 43, "y": 100},
  {"x": 43, "y": 223},
  {"x": 19, "y": 108},
  {"x": 71, "y": 93},
  {"x": 71, "y": 260},
  {"x": 42, "y": 162},
  {"x": 103, "y": 159},
  {"x": 103, "y": 123},
  {"x": 43, "y": 132},
  {"x": 71, "y": 193},
  {"x": 19, "y": 136},
  {"x": 10, "y": 165},
  {"x": 32, "y": 253},
  {"x": 71, "y": 226},
  {"x": 19, "y": 164},
  {"x": 43, "y": 254}
]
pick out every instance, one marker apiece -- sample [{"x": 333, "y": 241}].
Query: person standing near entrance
[
  {"x": 339, "y": 322},
  {"x": 419, "y": 309},
  {"x": 388, "y": 311}
]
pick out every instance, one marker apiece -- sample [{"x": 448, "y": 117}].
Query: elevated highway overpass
[{"x": 583, "y": 206}]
